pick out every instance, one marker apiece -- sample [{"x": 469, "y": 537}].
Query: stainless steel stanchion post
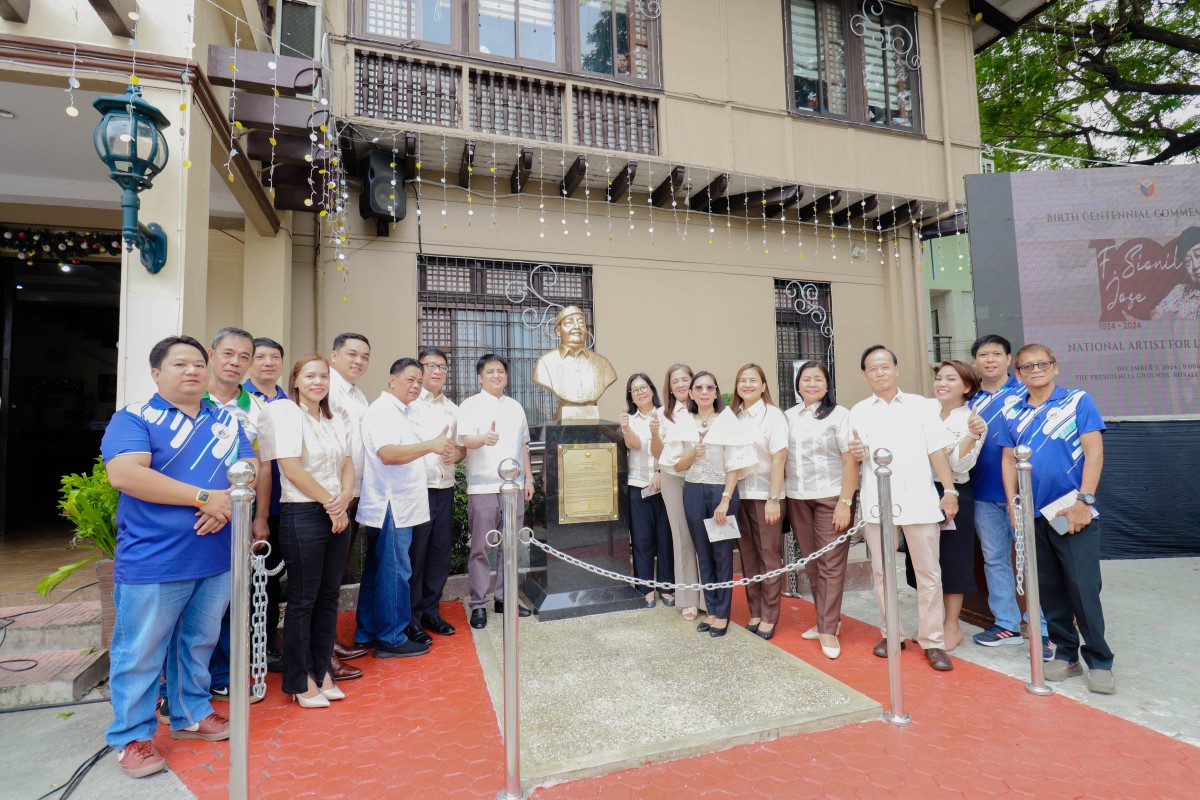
[
  {"x": 509, "y": 470},
  {"x": 240, "y": 475},
  {"x": 1033, "y": 604},
  {"x": 887, "y": 543}
]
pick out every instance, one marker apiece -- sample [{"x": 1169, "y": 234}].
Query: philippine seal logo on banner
[{"x": 1147, "y": 188}]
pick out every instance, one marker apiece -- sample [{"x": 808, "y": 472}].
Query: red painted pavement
[{"x": 425, "y": 728}]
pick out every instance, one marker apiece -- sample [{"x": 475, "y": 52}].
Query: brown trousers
[
  {"x": 761, "y": 547},
  {"x": 812, "y": 525}
]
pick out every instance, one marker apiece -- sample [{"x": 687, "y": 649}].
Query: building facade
[{"x": 712, "y": 181}]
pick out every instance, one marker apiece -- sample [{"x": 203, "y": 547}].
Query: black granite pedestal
[{"x": 559, "y": 590}]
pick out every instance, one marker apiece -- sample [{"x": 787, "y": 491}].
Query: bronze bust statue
[{"x": 575, "y": 375}]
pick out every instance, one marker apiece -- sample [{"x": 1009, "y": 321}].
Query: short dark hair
[
  {"x": 229, "y": 332},
  {"x": 632, "y": 406},
  {"x": 401, "y": 364},
  {"x": 488, "y": 358},
  {"x": 433, "y": 351},
  {"x": 263, "y": 341},
  {"x": 340, "y": 340},
  {"x": 862, "y": 362},
  {"x": 827, "y": 403},
  {"x": 991, "y": 338},
  {"x": 1031, "y": 347},
  {"x": 159, "y": 352},
  {"x": 718, "y": 403}
]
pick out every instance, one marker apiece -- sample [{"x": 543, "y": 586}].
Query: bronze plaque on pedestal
[{"x": 587, "y": 475}]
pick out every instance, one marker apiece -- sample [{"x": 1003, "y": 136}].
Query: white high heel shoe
[
  {"x": 320, "y": 701},
  {"x": 812, "y": 634},
  {"x": 333, "y": 693},
  {"x": 830, "y": 645}
]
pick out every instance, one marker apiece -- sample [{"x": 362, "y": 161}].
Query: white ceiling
[{"x": 48, "y": 158}]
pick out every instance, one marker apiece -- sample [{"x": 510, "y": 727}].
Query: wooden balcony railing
[{"x": 399, "y": 88}]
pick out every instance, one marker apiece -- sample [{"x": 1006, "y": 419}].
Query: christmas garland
[{"x": 34, "y": 244}]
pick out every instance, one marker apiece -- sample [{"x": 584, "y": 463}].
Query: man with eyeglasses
[
  {"x": 432, "y": 540},
  {"x": 1063, "y": 429},
  {"x": 992, "y": 355},
  {"x": 908, "y": 426}
]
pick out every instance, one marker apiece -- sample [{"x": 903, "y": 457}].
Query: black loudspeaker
[{"x": 379, "y": 198}]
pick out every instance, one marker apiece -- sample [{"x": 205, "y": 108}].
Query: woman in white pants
[{"x": 687, "y": 569}]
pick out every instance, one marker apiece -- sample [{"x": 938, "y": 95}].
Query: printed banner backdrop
[{"x": 1109, "y": 268}]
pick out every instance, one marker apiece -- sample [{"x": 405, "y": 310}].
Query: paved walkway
[{"x": 425, "y": 727}]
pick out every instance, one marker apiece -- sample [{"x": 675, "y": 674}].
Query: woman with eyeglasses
[
  {"x": 312, "y": 447},
  {"x": 820, "y": 479},
  {"x": 710, "y": 448},
  {"x": 649, "y": 530},
  {"x": 955, "y": 385},
  {"x": 760, "y": 517},
  {"x": 687, "y": 568}
]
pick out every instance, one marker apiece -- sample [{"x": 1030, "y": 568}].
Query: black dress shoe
[
  {"x": 703, "y": 627},
  {"x": 437, "y": 625},
  {"x": 478, "y": 618},
  {"x": 715, "y": 632},
  {"x": 417, "y": 634},
  {"x": 522, "y": 611},
  {"x": 881, "y": 649},
  {"x": 753, "y": 628},
  {"x": 274, "y": 661},
  {"x": 765, "y": 635}
]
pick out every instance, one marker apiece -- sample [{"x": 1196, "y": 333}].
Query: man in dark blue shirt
[
  {"x": 1063, "y": 429},
  {"x": 168, "y": 458}
]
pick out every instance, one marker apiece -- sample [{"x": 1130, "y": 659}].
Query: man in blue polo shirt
[
  {"x": 993, "y": 355},
  {"x": 1063, "y": 429},
  {"x": 168, "y": 458}
]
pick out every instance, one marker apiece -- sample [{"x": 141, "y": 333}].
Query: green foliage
[
  {"x": 1113, "y": 80},
  {"x": 460, "y": 549},
  {"x": 89, "y": 501}
]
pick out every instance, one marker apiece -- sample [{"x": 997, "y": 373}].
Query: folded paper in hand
[
  {"x": 1051, "y": 509},
  {"x": 719, "y": 533}
]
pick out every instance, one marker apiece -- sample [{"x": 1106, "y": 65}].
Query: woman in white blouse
[
  {"x": 312, "y": 447},
  {"x": 649, "y": 530},
  {"x": 820, "y": 481},
  {"x": 687, "y": 570},
  {"x": 711, "y": 450},
  {"x": 955, "y": 384},
  {"x": 760, "y": 517}
]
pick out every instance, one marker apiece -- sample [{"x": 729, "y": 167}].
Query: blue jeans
[
  {"x": 996, "y": 540},
  {"x": 174, "y": 624},
  {"x": 384, "y": 599}
]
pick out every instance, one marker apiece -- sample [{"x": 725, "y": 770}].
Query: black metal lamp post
[{"x": 129, "y": 141}]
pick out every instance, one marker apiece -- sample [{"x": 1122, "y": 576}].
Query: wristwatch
[
  {"x": 951, "y": 491},
  {"x": 1088, "y": 499},
  {"x": 848, "y": 502},
  {"x": 202, "y": 497},
  {"x": 727, "y": 495}
]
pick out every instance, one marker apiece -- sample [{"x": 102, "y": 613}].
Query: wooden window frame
[
  {"x": 464, "y": 44},
  {"x": 855, "y": 62}
]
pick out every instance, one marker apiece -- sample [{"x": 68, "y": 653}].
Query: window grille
[
  {"x": 406, "y": 90},
  {"x": 803, "y": 331},
  {"x": 469, "y": 307}
]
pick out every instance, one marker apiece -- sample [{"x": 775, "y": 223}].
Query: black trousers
[
  {"x": 1069, "y": 582},
  {"x": 274, "y": 582},
  {"x": 430, "y": 555},
  {"x": 650, "y": 537},
  {"x": 315, "y": 556},
  {"x": 700, "y": 500}
]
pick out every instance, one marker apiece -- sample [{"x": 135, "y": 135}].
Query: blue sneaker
[
  {"x": 1047, "y": 653},
  {"x": 995, "y": 636}
]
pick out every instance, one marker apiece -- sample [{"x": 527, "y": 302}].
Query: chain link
[
  {"x": 1019, "y": 541},
  {"x": 258, "y": 617},
  {"x": 661, "y": 586}
]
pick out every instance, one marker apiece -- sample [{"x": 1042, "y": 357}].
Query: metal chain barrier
[
  {"x": 1019, "y": 541},
  {"x": 258, "y": 615},
  {"x": 661, "y": 586}
]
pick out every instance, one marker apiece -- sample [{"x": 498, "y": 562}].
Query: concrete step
[
  {"x": 49, "y": 678},
  {"x": 39, "y": 629}
]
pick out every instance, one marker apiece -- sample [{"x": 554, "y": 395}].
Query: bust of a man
[{"x": 577, "y": 376}]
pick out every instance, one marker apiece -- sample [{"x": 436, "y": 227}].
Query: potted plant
[{"x": 89, "y": 501}]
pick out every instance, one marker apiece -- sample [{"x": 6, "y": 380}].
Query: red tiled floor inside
[{"x": 425, "y": 728}]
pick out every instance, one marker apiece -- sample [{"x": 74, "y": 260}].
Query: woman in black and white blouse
[{"x": 649, "y": 530}]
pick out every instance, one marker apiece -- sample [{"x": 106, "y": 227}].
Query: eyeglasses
[
  {"x": 705, "y": 387},
  {"x": 640, "y": 389},
  {"x": 435, "y": 367},
  {"x": 1035, "y": 366}
]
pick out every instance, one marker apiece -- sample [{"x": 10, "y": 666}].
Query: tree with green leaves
[{"x": 1109, "y": 80}]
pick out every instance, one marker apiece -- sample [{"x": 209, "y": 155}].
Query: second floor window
[
  {"x": 614, "y": 39},
  {"x": 855, "y": 60}
]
